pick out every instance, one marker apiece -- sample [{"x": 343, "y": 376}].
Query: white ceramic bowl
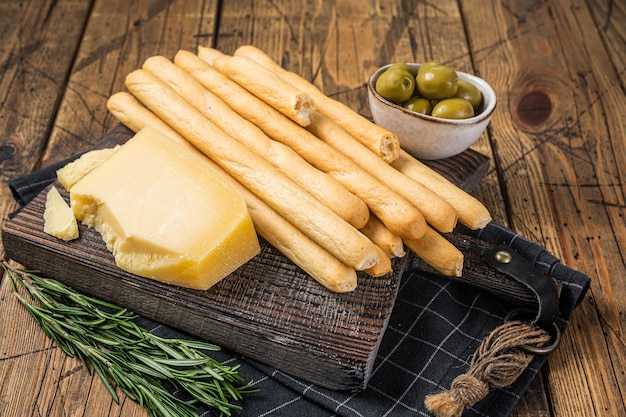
[{"x": 427, "y": 137}]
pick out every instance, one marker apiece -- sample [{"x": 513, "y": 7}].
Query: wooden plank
[
  {"x": 35, "y": 63},
  {"x": 561, "y": 156},
  {"x": 608, "y": 18},
  {"x": 120, "y": 36}
]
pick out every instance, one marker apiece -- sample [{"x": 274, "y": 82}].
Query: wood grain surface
[{"x": 556, "y": 141}]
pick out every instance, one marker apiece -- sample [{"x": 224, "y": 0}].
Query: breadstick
[
  {"x": 321, "y": 185},
  {"x": 381, "y": 268},
  {"x": 270, "y": 88},
  {"x": 255, "y": 173},
  {"x": 136, "y": 116},
  {"x": 472, "y": 213},
  {"x": 401, "y": 217},
  {"x": 209, "y": 54},
  {"x": 296, "y": 246},
  {"x": 379, "y": 140},
  {"x": 438, "y": 252},
  {"x": 219, "y": 62},
  {"x": 437, "y": 212},
  {"x": 286, "y": 238},
  {"x": 391, "y": 244}
]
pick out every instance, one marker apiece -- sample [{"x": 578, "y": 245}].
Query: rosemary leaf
[
  {"x": 165, "y": 347},
  {"x": 103, "y": 373},
  {"x": 183, "y": 363},
  {"x": 196, "y": 344}
]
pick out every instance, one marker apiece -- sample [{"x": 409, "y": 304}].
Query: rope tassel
[{"x": 497, "y": 363}]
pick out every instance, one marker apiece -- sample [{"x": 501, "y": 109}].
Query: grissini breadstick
[
  {"x": 134, "y": 115},
  {"x": 380, "y": 141},
  {"x": 472, "y": 213},
  {"x": 255, "y": 173},
  {"x": 393, "y": 210},
  {"x": 209, "y": 54},
  {"x": 266, "y": 85},
  {"x": 321, "y": 185},
  {"x": 378, "y": 233},
  {"x": 381, "y": 268},
  {"x": 438, "y": 252},
  {"x": 219, "y": 62},
  {"x": 296, "y": 246},
  {"x": 437, "y": 212},
  {"x": 291, "y": 242}
]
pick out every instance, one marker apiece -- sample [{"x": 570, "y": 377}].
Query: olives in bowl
[
  {"x": 446, "y": 113},
  {"x": 449, "y": 97}
]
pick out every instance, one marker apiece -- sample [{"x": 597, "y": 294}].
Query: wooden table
[{"x": 556, "y": 141}]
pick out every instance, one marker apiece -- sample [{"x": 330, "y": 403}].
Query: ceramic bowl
[{"x": 427, "y": 137}]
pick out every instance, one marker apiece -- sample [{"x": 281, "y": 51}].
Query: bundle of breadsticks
[{"x": 329, "y": 189}]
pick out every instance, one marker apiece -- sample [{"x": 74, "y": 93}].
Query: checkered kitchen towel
[{"x": 434, "y": 329}]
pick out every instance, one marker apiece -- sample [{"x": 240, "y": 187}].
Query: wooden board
[{"x": 268, "y": 309}]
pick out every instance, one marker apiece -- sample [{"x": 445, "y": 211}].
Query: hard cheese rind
[{"x": 165, "y": 214}]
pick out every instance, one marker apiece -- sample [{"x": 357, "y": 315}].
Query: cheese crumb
[{"x": 59, "y": 220}]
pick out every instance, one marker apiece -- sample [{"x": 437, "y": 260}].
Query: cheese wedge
[
  {"x": 75, "y": 170},
  {"x": 165, "y": 214},
  {"x": 59, "y": 220}
]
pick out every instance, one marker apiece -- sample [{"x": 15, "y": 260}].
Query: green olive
[
  {"x": 436, "y": 81},
  {"x": 404, "y": 66},
  {"x": 395, "y": 85},
  {"x": 418, "y": 105},
  {"x": 469, "y": 92},
  {"x": 453, "y": 108},
  {"x": 429, "y": 64}
]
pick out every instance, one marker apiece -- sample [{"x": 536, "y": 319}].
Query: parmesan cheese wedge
[
  {"x": 165, "y": 214},
  {"x": 58, "y": 217}
]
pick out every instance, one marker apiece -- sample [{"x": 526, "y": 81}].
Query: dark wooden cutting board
[{"x": 268, "y": 309}]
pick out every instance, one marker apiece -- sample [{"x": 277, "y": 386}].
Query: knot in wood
[
  {"x": 542, "y": 99},
  {"x": 6, "y": 152},
  {"x": 534, "y": 108}
]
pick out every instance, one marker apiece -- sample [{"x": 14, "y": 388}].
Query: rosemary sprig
[{"x": 125, "y": 355}]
